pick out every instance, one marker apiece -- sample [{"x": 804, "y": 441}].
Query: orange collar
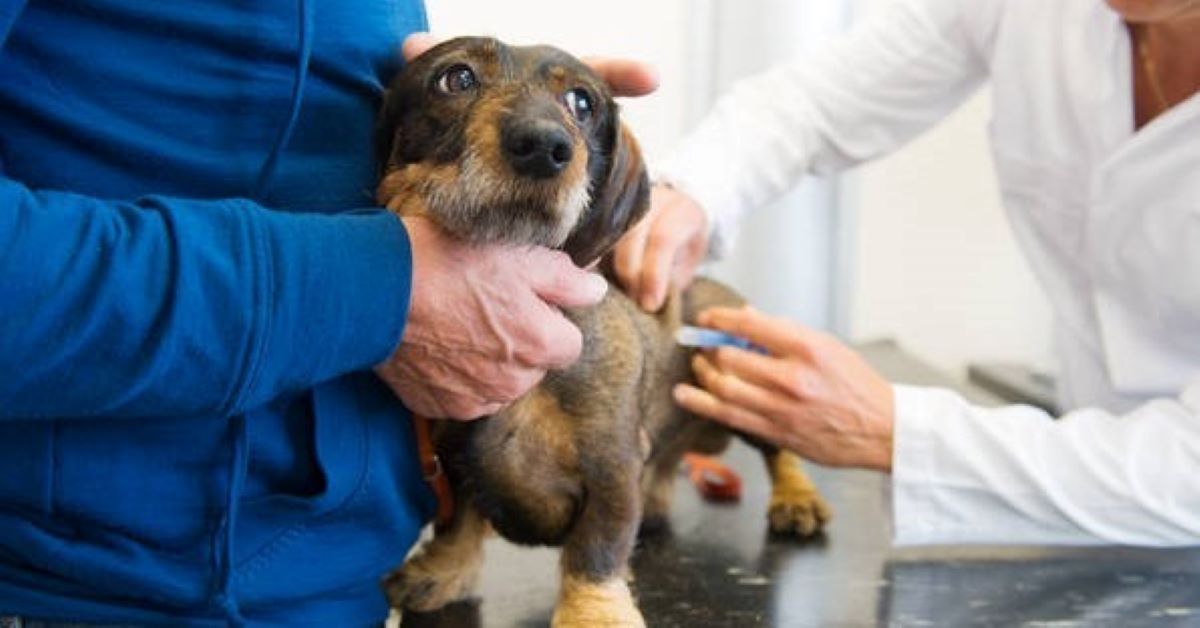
[{"x": 431, "y": 468}]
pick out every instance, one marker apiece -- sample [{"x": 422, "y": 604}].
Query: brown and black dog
[{"x": 524, "y": 145}]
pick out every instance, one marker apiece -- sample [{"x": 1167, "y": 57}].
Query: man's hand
[
  {"x": 663, "y": 250},
  {"x": 625, "y": 77},
  {"x": 812, "y": 395},
  {"x": 483, "y": 325}
]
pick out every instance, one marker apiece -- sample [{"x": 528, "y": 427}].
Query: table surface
[{"x": 720, "y": 567}]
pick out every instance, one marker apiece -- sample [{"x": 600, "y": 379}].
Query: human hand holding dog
[
  {"x": 663, "y": 250},
  {"x": 812, "y": 395},
  {"x": 483, "y": 324}
]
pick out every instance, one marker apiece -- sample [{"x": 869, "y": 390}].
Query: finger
[
  {"x": 437, "y": 403},
  {"x": 732, "y": 389},
  {"x": 627, "y": 257},
  {"x": 477, "y": 412},
  {"x": 784, "y": 376},
  {"x": 522, "y": 382},
  {"x": 702, "y": 403},
  {"x": 469, "y": 409},
  {"x": 683, "y": 273},
  {"x": 778, "y": 336},
  {"x": 625, "y": 77},
  {"x": 559, "y": 342},
  {"x": 417, "y": 43},
  {"x": 662, "y": 248},
  {"x": 560, "y": 282}
]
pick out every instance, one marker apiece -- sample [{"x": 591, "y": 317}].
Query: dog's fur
[{"x": 592, "y": 452}]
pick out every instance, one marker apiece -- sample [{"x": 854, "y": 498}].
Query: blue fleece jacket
[{"x": 193, "y": 287}]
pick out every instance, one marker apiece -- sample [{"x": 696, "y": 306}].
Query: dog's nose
[{"x": 536, "y": 148}]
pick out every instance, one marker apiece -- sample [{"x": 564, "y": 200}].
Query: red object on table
[{"x": 715, "y": 481}]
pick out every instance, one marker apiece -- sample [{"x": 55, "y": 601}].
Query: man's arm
[
  {"x": 9, "y": 10},
  {"x": 1012, "y": 475},
  {"x": 177, "y": 307},
  {"x": 961, "y": 473},
  {"x": 855, "y": 99}
]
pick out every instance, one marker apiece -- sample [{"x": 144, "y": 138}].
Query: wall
[{"x": 934, "y": 262}]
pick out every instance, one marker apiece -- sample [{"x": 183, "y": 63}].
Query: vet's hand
[
  {"x": 624, "y": 76},
  {"x": 812, "y": 395},
  {"x": 483, "y": 324},
  {"x": 663, "y": 250}
]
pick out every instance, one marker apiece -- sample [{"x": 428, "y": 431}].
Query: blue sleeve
[
  {"x": 178, "y": 307},
  {"x": 9, "y": 10}
]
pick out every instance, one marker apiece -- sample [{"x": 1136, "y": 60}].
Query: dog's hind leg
[
  {"x": 445, "y": 569},
  {"x": 595, "y": 560}
]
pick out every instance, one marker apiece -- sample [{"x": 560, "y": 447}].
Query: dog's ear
[
  {"x": 384, "y": 135},
  {"x": 617, "y": 204}
]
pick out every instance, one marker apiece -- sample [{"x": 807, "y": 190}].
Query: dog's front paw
[
  {"x": 428, "y": 585},
  {"x": 798, "y": 512},
  {"x": 586, "y": 604}
]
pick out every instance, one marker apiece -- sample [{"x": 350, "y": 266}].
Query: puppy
[{"x": 524, "y": 146}]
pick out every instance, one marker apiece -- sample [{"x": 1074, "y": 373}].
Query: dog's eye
[
  {"x": 457, "y": 79},
  {"x": 579, "y": 103}
]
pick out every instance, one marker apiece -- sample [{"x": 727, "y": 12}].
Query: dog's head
[{"x": 521, "y": 145}]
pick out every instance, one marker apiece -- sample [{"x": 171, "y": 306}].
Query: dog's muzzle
[{"x": 536, "y": 148}]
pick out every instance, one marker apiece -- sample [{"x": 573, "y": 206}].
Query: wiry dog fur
[{"x": 592, "y": 452}]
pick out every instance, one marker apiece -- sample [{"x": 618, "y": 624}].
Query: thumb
[
  {"x": 558, "y": 281},
  {"x": 417, "y": 43},
  {"x": 625, "y": 77},
  {"x": 662, "y": 250}
]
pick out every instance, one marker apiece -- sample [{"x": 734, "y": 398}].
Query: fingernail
[
  {"x": 681, "y": 393},
  {"x": 658, "y": 299},
  {"x": 598, "y": 285}
]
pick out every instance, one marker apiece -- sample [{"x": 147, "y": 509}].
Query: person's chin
[{"x": 1146, "y": 11}]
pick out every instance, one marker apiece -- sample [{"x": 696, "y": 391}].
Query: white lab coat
[{"x": 1110, "y": 222}]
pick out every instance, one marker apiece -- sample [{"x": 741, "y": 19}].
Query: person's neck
[
  {"x": 1177, "y": 38},
  {"x": 1173, "y": 46}
]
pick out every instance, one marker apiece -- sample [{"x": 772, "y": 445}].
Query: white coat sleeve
[
  {"x": 856, "y": 99},
  {"x": 1013, "y": 475}
]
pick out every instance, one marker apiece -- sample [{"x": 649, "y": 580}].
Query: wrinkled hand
[
  {"x": 483, "y": 323},
  {"x": 812, "y": 394},
  {"x": 624, "y": 76},
  {"x": 663, "y": 250}
]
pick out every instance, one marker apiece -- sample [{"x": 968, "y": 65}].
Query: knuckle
[
  {"x": 622, "y": 262},
  {"x": 660, "y": 240},
  {"x": 565, "y": 347},
  {"x": 516, "y": 383},
  {"x": 528, "y": 380},
  {"x": 796, "y": 380},
  {"x": 723, "y": 386}
]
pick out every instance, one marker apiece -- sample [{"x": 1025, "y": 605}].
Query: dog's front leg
[
  {"x": 445, "y": 569},
  {"x": 595, "y": 561}
]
